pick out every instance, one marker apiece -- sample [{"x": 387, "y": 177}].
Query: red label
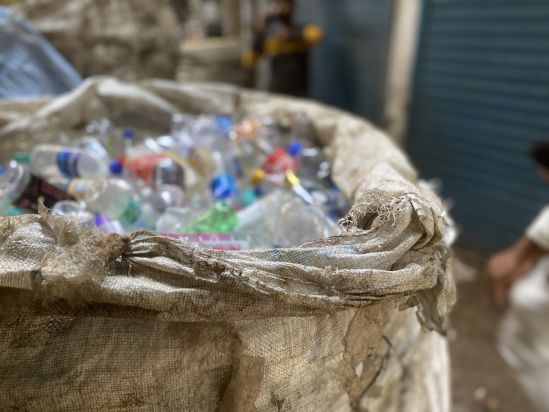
[
  {"x": 143, "y": 166},
  {"x": 278, "y": 162},
  {"x": 38, "y": 188}
]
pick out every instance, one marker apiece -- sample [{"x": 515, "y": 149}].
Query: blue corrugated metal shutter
[
  {"x": 481, "y": 99},
  {"x": 347, "y": 68}
]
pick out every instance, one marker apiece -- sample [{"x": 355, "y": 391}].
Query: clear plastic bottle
[
  {"x": 175, "y": 220},
  {"x": 112, "y": 197},
  {"x": 166, "y": 196},
  {"x": 108, "y": 225},
  {"x": 180, "y": 139},
  {"x": 212, "y": 132},
  {"x": 51, "y": 160},
  {"x": 313, "y": 165},
  {"x": 74, "y": 210},
  {"x": 281, "y": 219},
  {"x": 147, "y": 219},
  {"x": 94, "y": 146},
  {"x": 168, "y": 172},
  {"x": 169, "y": 182}
]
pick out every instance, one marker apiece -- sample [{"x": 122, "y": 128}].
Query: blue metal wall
[
  {"x": 481, "y": 99},
  {"x": 348, "y": 67}
]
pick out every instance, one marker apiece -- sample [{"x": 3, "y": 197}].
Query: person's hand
[
  {"x": 500, "y": 269},
  {"x": 504, "y": 269}
]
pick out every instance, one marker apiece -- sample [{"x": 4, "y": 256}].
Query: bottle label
[
  {"x": 38, "y": 188},
  {"x": 132, "y": 212},
  {"x": 279, "y": 162},
  {"x": 143, "y": 166},
  {"x": 67, "y": 162},
  {"x": 216, "y": 241}
]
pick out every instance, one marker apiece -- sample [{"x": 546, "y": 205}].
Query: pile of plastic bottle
[{"x": 223, "y": 184}]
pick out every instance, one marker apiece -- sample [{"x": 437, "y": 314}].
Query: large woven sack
[
  {"x": 130, "y": 39},
  {"x": 211, "y": 59},
  {"x": 94, "y": 321}
]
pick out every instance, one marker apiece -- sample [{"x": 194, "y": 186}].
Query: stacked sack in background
[
  {"x": 353, "y": 321},
  {"x": 130, "y": 39}
]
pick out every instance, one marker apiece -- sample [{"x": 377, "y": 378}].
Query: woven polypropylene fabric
[
  {"x": 129, "y": 39},
  {"x": 103, "y": 322}
]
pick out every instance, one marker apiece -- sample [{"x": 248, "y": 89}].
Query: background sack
[{"x": 129, "y": 39}]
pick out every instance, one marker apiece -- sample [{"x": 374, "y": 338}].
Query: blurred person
[
  {"x": 287, "y": 46},
  {"x": 520, "y": 274}
]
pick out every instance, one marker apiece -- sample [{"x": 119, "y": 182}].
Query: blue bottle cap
[
  {"x": 224, "y": 123},
  {"x": 116, "y": 167},
  {"x": 295, "y": 148},
  {"x": 2, "y": 170},
  {"x": 128, "y": 133},
  {"x": 223, "y": 186}
]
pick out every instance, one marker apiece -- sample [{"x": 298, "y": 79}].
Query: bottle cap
[
  {"x": 224, "y": 123},
  {"x": 223, "y": 186},
  {"x": 291, "y": 179},
  {"x": 295, "y": 148},
  {"x": 248, "y": 196},
  {"x": 2, "y": 170},
  {"x": 128, "y": 133},
  {"x": 116, "y": 167},
  {"x": 258, "y": 176},
  {"x": 15, "y": 211},
  {"x": 21, "y": 157},
  {"x": 101, "y": 219}
]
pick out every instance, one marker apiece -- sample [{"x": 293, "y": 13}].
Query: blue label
[{"x": 67, "y": 161}]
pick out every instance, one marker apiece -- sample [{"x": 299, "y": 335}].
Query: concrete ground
[{"x": 482, "y": 381}]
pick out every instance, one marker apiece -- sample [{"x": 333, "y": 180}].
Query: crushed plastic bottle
[
  {"x": 112, "y": 197},
  {"x": 281, "y": 219},
  {"x": 74, "y": 210},
  {"x": 176, "y": 220}
]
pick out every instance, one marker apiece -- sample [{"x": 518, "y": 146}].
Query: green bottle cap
[{"x": 22, "y": 157}]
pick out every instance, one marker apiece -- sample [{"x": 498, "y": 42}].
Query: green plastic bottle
[{"x": 220, "y": 218}]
